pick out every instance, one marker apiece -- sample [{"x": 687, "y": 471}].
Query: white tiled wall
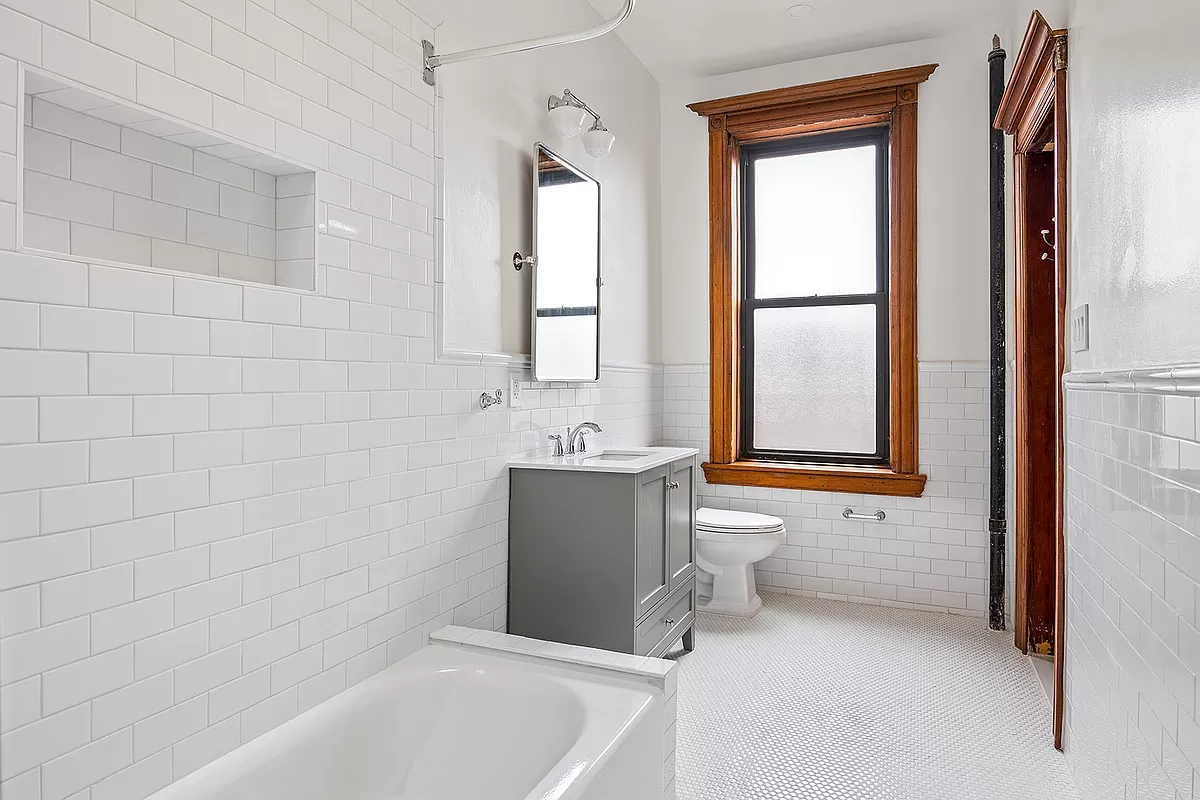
[
  {"x": 930, "y": 553},
  {"x": 295, "y": 211},
  {"x": 222, "y": 503},
  {"x": 105, "y": 191},
  {"x": 1133, "y": 562}
]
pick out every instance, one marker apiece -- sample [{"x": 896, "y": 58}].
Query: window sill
[{"x": 821, "y": 478}]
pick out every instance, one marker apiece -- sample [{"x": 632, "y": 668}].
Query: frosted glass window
[
  {"x": 815, "y": 371},
  {"x": 815, "y": 223},
  {"x": 815, "y": 384}
]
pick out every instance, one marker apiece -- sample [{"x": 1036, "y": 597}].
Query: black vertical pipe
[{"x": 996, "y": 523}]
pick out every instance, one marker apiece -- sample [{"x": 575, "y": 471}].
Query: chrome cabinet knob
[
  {"x": 672, "y": 485},
  {"x": 668, "y": 621}
]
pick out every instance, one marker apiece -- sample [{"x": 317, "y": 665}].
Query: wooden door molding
[{"x": 1034, "y": 112}]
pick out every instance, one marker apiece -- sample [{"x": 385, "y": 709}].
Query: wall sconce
[{"x": 567, "y": 115}]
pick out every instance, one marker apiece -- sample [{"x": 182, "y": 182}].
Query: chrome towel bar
[{"x": 876, "y": 516}]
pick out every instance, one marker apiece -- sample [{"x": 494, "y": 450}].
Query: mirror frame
[{"x": 538, "y": 149}]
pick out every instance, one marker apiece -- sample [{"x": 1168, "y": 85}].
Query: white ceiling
[{"x": 692, "y": 38}]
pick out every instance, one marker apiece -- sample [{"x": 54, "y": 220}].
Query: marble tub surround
[
  {"x": 657, "y": 671},
  {"x": 1133, "y": 565}
]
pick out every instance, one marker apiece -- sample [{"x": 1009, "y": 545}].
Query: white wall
[
  {"x": 1133, "y": 460},
  {"x": 952, "y": 189},
  {"x": 495, "y": 110},
  {"x": 932, "y": 551},
  {"x": 220, "y": 503},
  {"x": 1134, "y": 107},
  {"x": 99, "y": 190}
]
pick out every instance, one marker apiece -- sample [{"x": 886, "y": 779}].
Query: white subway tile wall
[
  {"x": 109, "y": 189},
  {"x": 931, "y": 552},
  {"x": 1133, "y": 562},
  {"x": 222, "y": 504}
]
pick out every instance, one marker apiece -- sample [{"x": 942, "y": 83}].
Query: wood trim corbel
[
  {"x": 1026, "y": 100},
  {"x": 881, "y": 98}
]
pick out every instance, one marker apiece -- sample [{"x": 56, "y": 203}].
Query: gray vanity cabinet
[
  {"x": 603, "y": 559},
  {"x": 681, "y": 524},
  {"x": 651, "y": 572}
]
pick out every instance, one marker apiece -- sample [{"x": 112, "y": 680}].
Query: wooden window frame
[{"x": 882, "y": 98}]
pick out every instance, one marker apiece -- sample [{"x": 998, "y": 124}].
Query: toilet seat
[
  {"x": 725, "y": 522},
  {"x": 728, "y": 545}
]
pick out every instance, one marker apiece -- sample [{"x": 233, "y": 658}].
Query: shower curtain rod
[{"x": 433, "y": 61}]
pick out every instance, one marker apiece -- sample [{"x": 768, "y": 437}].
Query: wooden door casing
[{"x": 1034, "y": 112}]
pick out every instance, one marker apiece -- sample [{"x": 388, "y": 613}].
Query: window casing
[
  {"x": 872, "y": 142},
  {"x": 882, "y": 104}
]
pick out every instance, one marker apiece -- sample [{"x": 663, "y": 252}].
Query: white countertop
[{"x": 627, "y": 460}]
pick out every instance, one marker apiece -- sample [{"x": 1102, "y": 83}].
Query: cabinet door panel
[
  {"x": 681, "y": 539},
  {"x": 652, "y": 580}
]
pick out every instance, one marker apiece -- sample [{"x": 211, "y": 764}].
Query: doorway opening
[{"x": 1033, "y": 112}]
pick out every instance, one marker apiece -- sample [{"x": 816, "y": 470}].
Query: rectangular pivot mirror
[{"x": 566, "y": 277}]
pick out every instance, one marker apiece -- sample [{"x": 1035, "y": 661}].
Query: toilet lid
[{"x": 725, "y": 521}]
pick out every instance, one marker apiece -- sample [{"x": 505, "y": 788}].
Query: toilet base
[
  {"x": 733, "y": 593},
  {"x": 728, "y": 609}
]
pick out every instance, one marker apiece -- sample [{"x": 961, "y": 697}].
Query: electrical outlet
[
  {"x": 1079, "y": 329},
  {"x": 514, "y": 390}
]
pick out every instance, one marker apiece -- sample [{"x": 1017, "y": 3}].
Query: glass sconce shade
[
  {"x": 597, "y": 141},
  {"x": 567, "y": 120}
]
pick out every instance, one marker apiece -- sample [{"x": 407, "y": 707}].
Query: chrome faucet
[{"x": 577, "y": 433}]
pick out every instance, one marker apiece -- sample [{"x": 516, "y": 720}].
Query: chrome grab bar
[{"x": 877, "y": 516}]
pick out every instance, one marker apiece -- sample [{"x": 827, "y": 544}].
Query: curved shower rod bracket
[{"x": 433, "y": 60}]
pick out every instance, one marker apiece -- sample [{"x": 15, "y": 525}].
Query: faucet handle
[
  {"x": 558, "y": 444},
  {"x": 582, "y": 440}
]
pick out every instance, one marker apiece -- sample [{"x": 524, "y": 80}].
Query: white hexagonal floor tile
[{"x": 822, "y": 700}]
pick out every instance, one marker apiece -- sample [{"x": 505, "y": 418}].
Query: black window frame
[{"x": 822, "y": 142}]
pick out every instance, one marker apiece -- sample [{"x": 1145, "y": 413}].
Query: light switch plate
[
  {"x": 514, "y": 390},
  {"x": 1079, "y": 329}
]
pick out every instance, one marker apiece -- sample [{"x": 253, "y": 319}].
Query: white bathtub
[{"x": 448, "y": 723}]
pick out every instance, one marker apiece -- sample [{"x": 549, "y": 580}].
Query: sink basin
[{"x": 611, "y": 455}]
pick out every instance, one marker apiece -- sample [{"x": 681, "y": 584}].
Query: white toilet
[{"x": 728, "y": 543}]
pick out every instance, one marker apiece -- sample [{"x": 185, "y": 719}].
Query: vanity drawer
[{"x": 670, "y": 618}]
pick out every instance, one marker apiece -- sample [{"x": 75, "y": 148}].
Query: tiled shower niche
[{"x": 105, "y": 181}]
